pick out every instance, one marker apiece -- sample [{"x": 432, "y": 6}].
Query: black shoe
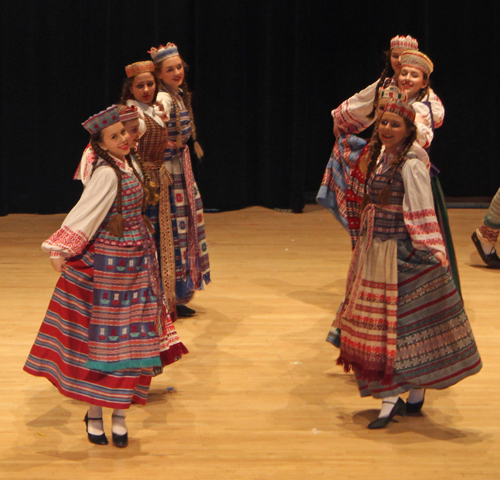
[
  {"x": 120, "y": 441},
  {"x": 399, "y": 408},
  {"x": 491, "y": 259},
  {"x": 414, "y": 407},
  {"x": 95, "y": 439},
  {"x": 184, "y": 311}
]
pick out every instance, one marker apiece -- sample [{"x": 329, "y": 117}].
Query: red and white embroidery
[{"x": 68, "y": 240}]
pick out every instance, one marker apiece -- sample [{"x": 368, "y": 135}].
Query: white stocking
[
  {"x": 95, "y": 426},
  {"x": 119, "y": 426}
]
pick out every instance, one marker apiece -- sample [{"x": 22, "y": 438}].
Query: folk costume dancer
[
  {"x": 403, "y": 325},
  {"x": 192, "y": 265},
  {"x": 355, "y": 115},
  {"x": 106, "y": 327},
  {"x": 140, "y": 90}
]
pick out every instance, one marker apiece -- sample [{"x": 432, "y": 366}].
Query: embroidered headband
[
  {"x": 139, "y": 67},
  {"x": 414, "y": 58},
  {"x": 103, "y": 119},
  {"x": 128, "y": 113},
  {"x": 392, "y": 92},
  {"x": 407, "y": 42},
  {"x": 163, "y": 52},
  {"x": 402, "y": 109}
]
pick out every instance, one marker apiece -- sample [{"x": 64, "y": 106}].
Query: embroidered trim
[
  {"x": 419, "y": 214},
  {"x": 68, "y": 240},
  {"x": 488, "y": 234}
]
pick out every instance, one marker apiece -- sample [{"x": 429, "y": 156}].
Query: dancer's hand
[
  {"x": 442, "y": 259},
  {"x": 59, "y": 264}
]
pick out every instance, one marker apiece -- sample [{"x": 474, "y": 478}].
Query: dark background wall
[{"x": 265, "y": 75}]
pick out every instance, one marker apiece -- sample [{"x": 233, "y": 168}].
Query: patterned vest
[
  {"x": 132, "y": 195},
  {"x": 389, "y": 219},
  {"x": 151, "y": 148},
  {"x": 177, "y": 105}
]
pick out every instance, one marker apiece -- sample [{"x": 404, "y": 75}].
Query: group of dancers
[
  {"x": 131, "y": 253},
  {"x": 402, "y": 326}
]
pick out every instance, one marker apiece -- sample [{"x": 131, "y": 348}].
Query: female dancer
[
  {"x": 355, "y": 115},
  {"x": 192, "y": 267},
  {"x": 106, "y": 327},
  {"x": 403, "y": 325},
  {"x": 140, "y": 90}
]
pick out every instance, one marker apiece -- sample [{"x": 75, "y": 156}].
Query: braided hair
[
  {"x": 375, "y": 149},
  {"x": 387, "y": 72},
  {"x": 115, "y": 224}
]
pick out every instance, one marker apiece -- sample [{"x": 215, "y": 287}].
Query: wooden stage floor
[{"x": 259, "y": 396}]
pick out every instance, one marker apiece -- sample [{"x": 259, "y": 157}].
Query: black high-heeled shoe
[
  {"x": 399, "y": 408},
  {"x": 120, "y": 441},
  {"x": 95, "y": 439},
  {"x": 414, "y": 407}
]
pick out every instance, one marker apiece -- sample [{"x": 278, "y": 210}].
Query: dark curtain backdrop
[{"x": 265, "y": 76}]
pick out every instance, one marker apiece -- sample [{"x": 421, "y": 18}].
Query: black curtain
[{"x": 265, "y": 76}]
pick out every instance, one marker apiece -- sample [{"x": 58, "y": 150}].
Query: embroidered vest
[
  {"x": 177, "y": 104},
  {"x": 132, "y": 195},
  {"x": 389, "y": 219}
]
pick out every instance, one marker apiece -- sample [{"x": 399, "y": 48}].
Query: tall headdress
[
  {"x": 414, "y": 58},
  {"x": 163, "y": 52},
  {"x": 139, "y": 67},
  {"x": 407, "y": 42},
  {"x": 392, "y": 92},
  {"x": 102, "y": 120},
  {"x": 402, "y": 109}
]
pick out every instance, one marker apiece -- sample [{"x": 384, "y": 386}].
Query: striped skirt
[
  {"x": 61, "y": 348},
  {"x": 430, "y": 345}
]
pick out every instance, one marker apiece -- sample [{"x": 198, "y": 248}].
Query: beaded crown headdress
[
  {"x": 139, "y": 67},
  {"x": 163, "y": 52},
  {"x": 392, "y": 92},
  {"x": 414, "y": 58},
  {"x": 128, "y": 113},
  {"x": 402, "y": 109},
  {"x": 407, "y": 42},
  {"x": 103, "y": 119}
]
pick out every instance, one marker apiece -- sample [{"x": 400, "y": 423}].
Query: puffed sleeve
[
  {"x": 165, "y": 100},
  {"x": 425, "y": 133},
  {"x": 437, "y": 109},
  {"x": 351, "y": 116},
  {"x": 418, "y": 208},
  {"x": 86, "y": 216}
]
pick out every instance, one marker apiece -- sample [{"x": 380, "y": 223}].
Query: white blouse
[
  {"x": 418, "y": 201},
  {"x": 352, "y": 115},
  {"x": 87, "y": 215},
  {"x": 145, "y": 109}
]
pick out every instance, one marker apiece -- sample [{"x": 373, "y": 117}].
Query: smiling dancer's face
[
  {"x": 411, "y": 80},
  {"x": 392, "y": 131},
  {"x": 132, "y": 127},
  {"x": 115, "y": 140},
  {"x": 172, "y": 72}
]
